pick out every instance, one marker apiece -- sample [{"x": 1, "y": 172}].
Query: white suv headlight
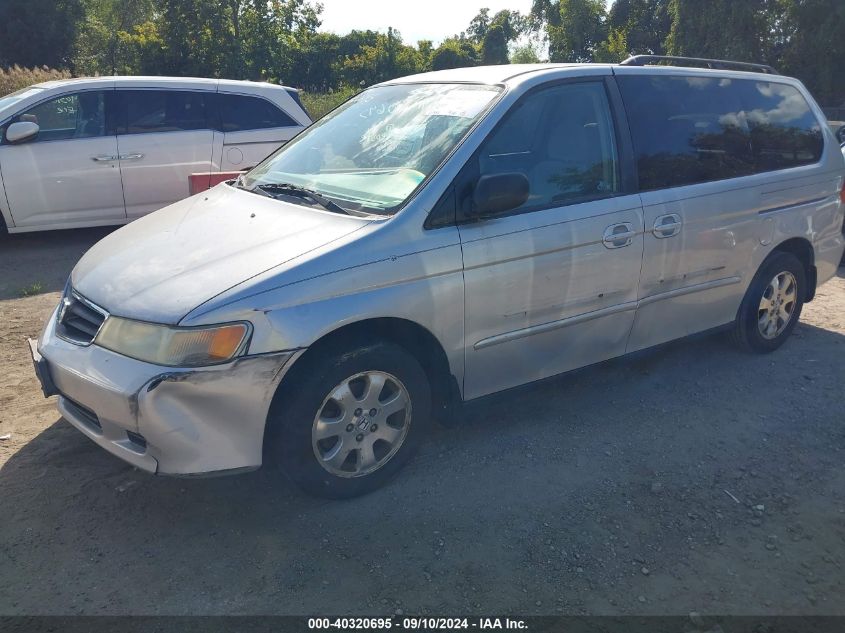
[{"x": 173, "y": 346}]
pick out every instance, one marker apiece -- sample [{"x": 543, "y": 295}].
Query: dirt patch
[{"x": 692, "y": 478}]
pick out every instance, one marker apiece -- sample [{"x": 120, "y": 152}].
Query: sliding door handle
[
  {"x": 667, "y": 226},
  {"x": 131, "y": 156}
]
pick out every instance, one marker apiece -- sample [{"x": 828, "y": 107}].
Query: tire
[
  {"x": 761, "y": 325},
  {"x": 309, "y": 448}
]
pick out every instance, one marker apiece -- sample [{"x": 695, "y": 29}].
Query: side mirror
[
  {"x": 840, "y": 135},
  {"x": 498, "y": 193},
  {"x": 21, "y": 131}
]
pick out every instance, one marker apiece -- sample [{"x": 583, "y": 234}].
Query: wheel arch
[
  {"x": 801, "y": 248},
  {"x": 412, "y": 336}
]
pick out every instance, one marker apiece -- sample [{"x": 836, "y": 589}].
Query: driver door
[
  {"x": 69, "y": 174},
  {"x": 551, "y": 285}
]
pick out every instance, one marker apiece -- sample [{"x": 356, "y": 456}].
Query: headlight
[{"x": 172, "y": 346}]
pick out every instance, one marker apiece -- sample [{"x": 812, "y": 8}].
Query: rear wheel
[
  {"x": 351, "y": 420},
  {"x": 772, "y": 306}
]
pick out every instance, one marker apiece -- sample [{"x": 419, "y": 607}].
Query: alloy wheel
[
  {"x": 361, "y": 424},
  {"x": 777, "y": 305}
]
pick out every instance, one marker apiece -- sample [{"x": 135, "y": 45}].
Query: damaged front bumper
[{"x": 162, "y": 419}]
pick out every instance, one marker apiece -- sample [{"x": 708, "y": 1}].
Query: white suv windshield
[
  {"x": 11, "y": 99},
  {"x": 374, "y": 151}
]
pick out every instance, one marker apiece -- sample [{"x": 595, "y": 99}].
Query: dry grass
[{"x": 15, "y": 78}]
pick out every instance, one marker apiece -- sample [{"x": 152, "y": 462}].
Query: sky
[{"x": 427, "y": 20}]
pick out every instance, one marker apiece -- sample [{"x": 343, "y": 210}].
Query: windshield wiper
[{"x": 287, "y": 189}]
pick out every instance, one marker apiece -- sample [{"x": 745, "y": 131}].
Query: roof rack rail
[{"x": 722, "y": 64}]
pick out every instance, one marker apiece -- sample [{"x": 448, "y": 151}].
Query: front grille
[{"x": 79, "y": 320}]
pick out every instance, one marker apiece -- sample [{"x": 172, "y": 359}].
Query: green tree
[
  {"x": 39, "y": 32},
  {"x": 614, "y": 49},
  {"x": 271, "y": 33},
  {"x": 387, "y": 58},
  {"x": 190, "y": 32},
  {"x": 525, "y": 54},
  {"x": 454, "y": 53},
  {"x": 575, "y": 28},
  {"x": 722, "y": 29},
  {"x": 494, "y": 48},
  {"x": 479, "y": 26},
  {"x": 512, "y": 23},
  {"x": 426, "y": 49},
  {"x": 314, "y": 63},
  {"x": 813, "y": 47},
  {"x": 645, "y": 24},
  {"x": 99, "y": 46}
]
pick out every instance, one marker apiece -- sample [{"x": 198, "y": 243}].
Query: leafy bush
[
  {"x": 319, "y": 103},
  {"x": 15, "y": 78}
]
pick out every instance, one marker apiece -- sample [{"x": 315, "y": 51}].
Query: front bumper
[{"x": 162, "y": 419}]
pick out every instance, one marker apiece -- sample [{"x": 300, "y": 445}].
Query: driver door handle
[
  {"x": 619, "y": 235},
  {"x": 103, "y": 158}
]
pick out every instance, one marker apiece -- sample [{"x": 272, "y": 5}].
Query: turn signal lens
[
  {"x": 225, "y": 342},
  {"x": 172, "y": 346}
]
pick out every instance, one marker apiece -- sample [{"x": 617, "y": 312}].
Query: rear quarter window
[
  {"x": 784, "y": 131},
  {"x": 689, "y": 130},
  {"x": 240, "y": 112}
]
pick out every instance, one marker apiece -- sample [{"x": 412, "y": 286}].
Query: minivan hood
[{"x": 160, "y": 267}]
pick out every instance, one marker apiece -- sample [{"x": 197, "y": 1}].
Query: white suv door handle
[
  {"x": 131, "y": 156},
  {"x": 618, "y": 235},
  {"x": 667, "y": 226},
  {"x": 104, "y": 158}
]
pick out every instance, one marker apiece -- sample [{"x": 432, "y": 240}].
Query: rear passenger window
[
  {"x": 149, "y": 111},
  {"x": 689, "y": 130},
  {"x": 562, "y": 139},
  {"x": 238, "y": 112}
]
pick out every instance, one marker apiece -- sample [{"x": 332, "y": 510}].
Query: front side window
[
  {"x": 373, "y": 152},
  {"x": 239, "y": 112},
  {"x": 561, "y": 139},
  {"x": 150, "y": 111},
  {"x": 72, "y": 116},
  {"x": 689, "y": 130}
]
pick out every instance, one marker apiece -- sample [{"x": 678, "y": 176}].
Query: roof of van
[
  {"x": 176, "y": 81},
  {"x": 482, "y": 74},
  {"x": 503, "y": 73}
]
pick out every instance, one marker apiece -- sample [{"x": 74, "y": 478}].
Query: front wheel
[
  {"x": 351, "y": 419},
  {"x": 772, "y": 306}
]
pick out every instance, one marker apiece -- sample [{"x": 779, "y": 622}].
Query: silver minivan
[{"x": 436, "y": 239}]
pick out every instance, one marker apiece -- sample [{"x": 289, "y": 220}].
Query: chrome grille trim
[{"x": 78, "y": 320}]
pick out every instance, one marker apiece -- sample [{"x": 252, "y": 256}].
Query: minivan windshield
[
  {"x": 371, "y": 153},
  {"x": 11, "y": 99}
]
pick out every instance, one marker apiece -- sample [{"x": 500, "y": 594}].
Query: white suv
[{"x": 90, "y": 152}]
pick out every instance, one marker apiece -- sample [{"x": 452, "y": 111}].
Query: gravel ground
[{"x": 691, "y": 478}]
